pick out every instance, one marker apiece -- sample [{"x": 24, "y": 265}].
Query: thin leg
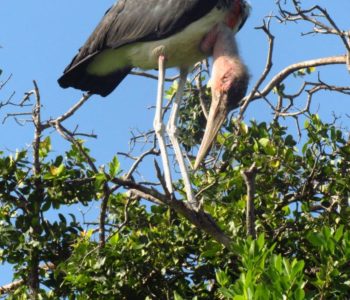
[
  {"x": 172, "y": 132},
  {"x": 159, "y": 126}
]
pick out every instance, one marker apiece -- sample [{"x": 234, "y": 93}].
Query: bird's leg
[
  {"x": 159, "y": 126},
  {"x": 172, "y": 132}
]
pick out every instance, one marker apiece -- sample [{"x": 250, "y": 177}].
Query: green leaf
[
  {"x": 212, "y": 252},
  {"x": 310, "y": 70},
  {"x": 286, "y": 210},
  {"x": 57, "y": 171},
  {"x": 287, "y": 266},
  {"x": 170, "y": 93},
  {"x": 279, "y": 89},
  {"x": 339, "y": 233},
  {"x": 45, "y": 147},
  {"x": 299, "y": 294},
  {"x": 267, "y": 146},
  {"x": 278, "y": 263},
  {"x": 315, "y": 239},
  {"x": 222, "y": 278},
  {"x": 261, "y": 241},
  {"x": 177, "y": 296},
  {"x": 264, "y": 142},
  {"x": 326, "y": 232},
  {"x": 275, "y": 163},
  {"x": 46, "y": 206},
  {"x": 114, "y": 239},
  {"x": 297, "y": 266},
  {"x": 114, "y": 167},
  {"x": 100, "y": 179},
  {"x": 229, "y": 294}
]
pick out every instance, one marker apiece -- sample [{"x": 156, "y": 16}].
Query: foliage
[
  {"x": 150, "y": 245},
  {"x": 302, "y": 251},
  {"x": 264, "y": 275}
]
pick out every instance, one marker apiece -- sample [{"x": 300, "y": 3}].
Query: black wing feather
[{"x": 126, "y": 22}]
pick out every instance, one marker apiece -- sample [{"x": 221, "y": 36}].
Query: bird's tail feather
[{"x": 78, "y": 77}]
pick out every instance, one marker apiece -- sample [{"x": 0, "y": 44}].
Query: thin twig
[
  {"x": 8, "y": 288},
  {"x": 69, "y": 113},
  {"x": 2, "y": 84},
  {"x": 246, "y": 100},
  {"x": 151, "y": 76},
  {"x": 33, "y": 277},
  {"x": 249, "y": 178},
  {"x": 282, "y": 75}
]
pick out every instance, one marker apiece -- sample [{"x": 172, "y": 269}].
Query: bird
[{"x": 161, "y": 34}]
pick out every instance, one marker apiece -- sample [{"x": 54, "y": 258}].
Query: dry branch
[
  {"x": 33, "y": 276},
  {"x": 249, "y": 179},
  {"x": 8, "y": 288}
]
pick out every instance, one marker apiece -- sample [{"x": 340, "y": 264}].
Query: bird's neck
[
  {"x": 224, "y": 44},
  {"x": 227, "y": 66}
]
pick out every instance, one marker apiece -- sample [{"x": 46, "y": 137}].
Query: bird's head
[{"x": 228, "y": 85}]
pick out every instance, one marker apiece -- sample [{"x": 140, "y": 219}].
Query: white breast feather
[{"x": 181, "y": 49}]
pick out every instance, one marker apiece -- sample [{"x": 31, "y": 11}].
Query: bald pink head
[{"x": 228, "y": 83}]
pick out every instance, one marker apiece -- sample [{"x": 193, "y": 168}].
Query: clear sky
[{"x": 40, "y": 37}]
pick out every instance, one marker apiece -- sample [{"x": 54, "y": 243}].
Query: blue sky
[{"x": 40, "y": 37}]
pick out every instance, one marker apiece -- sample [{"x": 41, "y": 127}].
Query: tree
[{"x": 273, "y": 223}]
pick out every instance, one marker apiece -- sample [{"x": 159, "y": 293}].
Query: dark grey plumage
[{"x": 127, "y": 22}]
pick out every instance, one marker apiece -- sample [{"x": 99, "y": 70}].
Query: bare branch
[
  {"x": 103, "y": 213},
  {"x": 313, "y": 16},
  {"x": 201, "y": 95},
  {"x": 246, "y": 100},
  {"x": 66, "y": 134},
  {"x": 69, "y": 113},
  {"x": 162, "y": 180},
  {"x": 315, "y": 87},
  {"x": 139, "y": 160},
  {"x": 282, "y": 75},
  {"x": 15, "y": 115},
  {"x": 3, "y": 83},
  {"x": 200, "y": 219},
  {"x": 249, "y": 178},
  {"x": 8, "y": 288},
  {"x": 151, "y": 76},
  {"x": 33, "y": 276}
]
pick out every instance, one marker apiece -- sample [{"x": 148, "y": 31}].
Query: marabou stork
[{"x": 159, "y": 34}]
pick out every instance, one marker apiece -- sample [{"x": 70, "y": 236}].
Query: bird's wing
[
  {"x": 126, "y": 22},
  {"x": 131, "y": 21}
]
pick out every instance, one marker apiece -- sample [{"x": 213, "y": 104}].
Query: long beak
[{"x": 219, "y": 109}]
